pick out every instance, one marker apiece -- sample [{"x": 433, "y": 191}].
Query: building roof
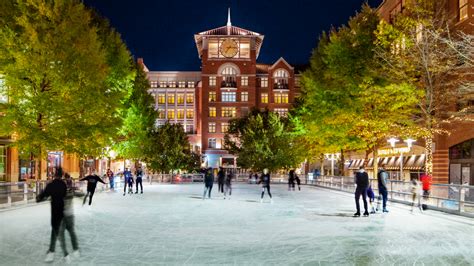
[{"x": 262, "y": 68}]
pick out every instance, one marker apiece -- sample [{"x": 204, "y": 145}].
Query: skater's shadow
[
  {"x": 195, "y": 197},
  {"x": 254, "y": 201},
  {"x": 334, "y": 214}
]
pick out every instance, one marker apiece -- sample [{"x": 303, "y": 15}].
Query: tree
[
  {"x": 139, "y": 119},
  {"x": 413, "y": 51},
  {"x": 348, "y": 104},
  {"x": 263, "y": 140},
  {"x": 65, "y": 73},
  {"x": 169, "y": 149}
]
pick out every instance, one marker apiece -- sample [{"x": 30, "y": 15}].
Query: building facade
[{"x": 229, "y": 85}]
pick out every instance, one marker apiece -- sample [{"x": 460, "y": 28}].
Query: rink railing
[{"x": 456, "y": 199}]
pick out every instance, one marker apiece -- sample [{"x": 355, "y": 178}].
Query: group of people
[
  {"x": 128, "y": 180},
  {"x": 224, "y": 181},
  {"x": 292, "y": 178}
]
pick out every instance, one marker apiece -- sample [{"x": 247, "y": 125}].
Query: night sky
[{"x": 162, "y": 32}]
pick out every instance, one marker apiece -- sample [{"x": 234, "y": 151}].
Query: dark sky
[{"x": 162, "y": 31}]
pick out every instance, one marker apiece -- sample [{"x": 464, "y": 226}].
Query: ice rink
[{"x": 171, "y": 224}]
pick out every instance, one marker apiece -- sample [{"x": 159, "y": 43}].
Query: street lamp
[{"x": 332, "y": 157}]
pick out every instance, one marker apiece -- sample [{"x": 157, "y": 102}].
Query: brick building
[{"x": 229, "y": 85}]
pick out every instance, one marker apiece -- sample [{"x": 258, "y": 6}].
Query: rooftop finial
[{"x": 228, "y": 18}]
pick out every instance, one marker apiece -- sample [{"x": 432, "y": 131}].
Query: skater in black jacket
[
  {"x": 291, "y": 180},
  {"x": 228, "y": 184},
  {"x": 362, "y": 182},
  {"x": 220, "y": 180},
  {"x": 265, "y": 180},
  {"x": 298, "y": 181},
  {"x": 92, "y": 180},
  {"x": 208, "y": 182},
  {"x": 139, "y": 175},
  {"x": 57, "y": 191}
]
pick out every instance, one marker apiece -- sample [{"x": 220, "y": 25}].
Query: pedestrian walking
[
  {"x": 57, "y": 191},
  {"x": 92, "y": 180},
  {"x": 382, "y": 180},
  {"x": 415, "y": 192},
  {"x": 139, "y": 177},
  {"x": 127, "y": 175},
  {"x": 208, "y": 182},
  {"x": 68, "y": 219},
  {"x": 110, "y": 175},
  {"x": 291, "y": 180},
  {"x": 362, "y": 183},
  {"x": 220, "y": 180},
  {"x": 265, "y": 181},
  {"x": 228, "y": 184}
]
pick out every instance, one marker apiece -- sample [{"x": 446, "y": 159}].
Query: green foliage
[
  {"x": 169, "y": 149},
  {"x": 263, "y": 140},
  {"x": 65, "y": 73}
]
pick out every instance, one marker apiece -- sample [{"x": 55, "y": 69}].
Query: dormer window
[{"x": 280, "y": 77}]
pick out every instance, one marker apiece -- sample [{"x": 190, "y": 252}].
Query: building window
[
  {"x": 170, "y": 114},
  {"x": 180, "y": 113},
  {"x": 161, "y": 113},
  {"x": 212, "y": 112},
  {"x": 264, "y": 82},
  {"x": 212, "y": 96},
  {"x": 463, "y": 9},
  {"x": 189, "y": 98},
  {"x": 182, "y": 84},
  {"x": 264, "y": 97},
  {"x": 229, "y": 77},
  {"x": 3, "y": 163},
  {"x": 212, "y": 143},
  {"x": 244, "y": 96},
  {"x": 190, "y": 84},
  {"x": 180, "y": 98},
  {"x": 281, "y": 98},
  {"x": 161, "y": 99},
  {"x": 244, "y": 81},
  {"x": 212, "y": 81},
  {"x": 281, "y": 111},
  {"x": 229, "y": 112},
  {"x": 228, "y": 97},
  {"x": 213, "y": 48},
  {"x": 189, "y": 114},
  {"x": 281, "y": 79},
  {"x": 171, "y": 99},
  {"x": 212, "y": 127},
  {"x": 154, "y": 84},
  {"x": 163, "y": 84},
  {"x": 172, "y": 84},
  {"x": 244, "y": 51},
  {"x": 224, "y": 127},
  {"x": 189, "y": 128}
]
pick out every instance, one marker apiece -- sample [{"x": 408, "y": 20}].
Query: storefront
[{"x": 461, "y": 163}]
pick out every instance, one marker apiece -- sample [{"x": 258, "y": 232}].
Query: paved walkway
[{"x": 171, "y": 224}]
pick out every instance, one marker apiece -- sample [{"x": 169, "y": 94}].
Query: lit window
[
  {"x": 180, "y": 98},
  {"x": 161, "y": 113},
  {"x": 264, "y": 97},
  {"x": 170, "y": 99},
  {"x": 264, "y": 82},
  {"x": 212, "y": 127},
  {"x": 244, "y": 81},
  {"x": 161, "y": 99},
  {"x": 213, "y": 48},
  {"x": 244, "y": 96},
  {"x": 189, "y": 114},
  {"x": 212, "y": 112},
  {"x": 189, "y": 98},
  {"x": 229, "y": 77},
  {"x": 212, "y": 96},
  {"x": 228, "y": 112},
  {"x": 212, "y": 81},
  {"x": 281, "y": 98},
  {"x": 154, "y": 84},
  {"x": 224, "y": 127},
  {"x": 182, "y": 84},
  {"x": 244, "y": 48},
  {"x": 189, "y": 128},
  {"x": 180, "y": 113},
  {"x": 170, "y": 114},
  {"x": 463, "y": 7},
  {"x": 228, "y": 97},
  {"x": 212, "y": 143},
  {"x": 162, "y": 84},
  {"x": 281, "y": 111},
  {"x": 172, "y": 84},
  {"x": 190, "y": 84},
  {"x": 281, "y": 79}
]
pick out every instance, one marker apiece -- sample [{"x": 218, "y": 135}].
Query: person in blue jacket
[{"x": 127, "y": 175}]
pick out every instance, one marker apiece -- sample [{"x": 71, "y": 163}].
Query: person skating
[
  {"x": 220, "y": 180},
  {"x": 139, "y": 175},
  {"x": 371, "y": 196},
  {"x": 265, "y": 180},
  {"x": 130, "y": 182},
  {"x": 415, "y": 192},
  {"x": 57, "y": 191},
  {"x": 92, "y": 180},
  {"x": 362, "y": 182},
  {"x": 208, "y": 182},
  {"x": 110, "y": 175},
  {"x": 127, "y": 175},
  {"x": 298, "y": 181},
  {"x": 228, "y": 184},
  {"x": 68, "y": 220},
  {"x": 382, "y": 180},
  {"x": 291, "y": 180}
]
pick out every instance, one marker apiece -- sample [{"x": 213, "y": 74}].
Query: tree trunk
[
  {"x": 40, "y": 158},
  {"x": 321, "y": 160},
  {"x": 341, "y": 163},
  {"x": 376, "y": 161},
  {"x": 429, "y": 155}
]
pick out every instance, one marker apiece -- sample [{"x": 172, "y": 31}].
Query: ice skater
[
  {"x": 130, "y": 184},
  {"x": 110, "y": 175},
  {"x": 208, "y": 182},
  {"x": 362, "y": 182},
  {"x": 127, "y": 175},
  {"x": 57, "y": 191},
  {"x": 382, "y": 180},
  {"x": 291, "y": 180},
  {"x": 220, "y": 180},
  {"x": 371, "y": 196},
  {"x": 228, "y": 184},
  {"x": 139, "y": 175},
  {"x": 416, "y": 194},
  {"x": 92, "y": 180},
  {"x": 265, "y": 180},
  {"x": 298, "y": 182},
  {"x": 68, "y": 220}
]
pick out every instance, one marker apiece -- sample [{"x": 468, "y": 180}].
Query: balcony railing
[
  {"x": 280, "y": 86},
  {"x": 228, "y": 84}
]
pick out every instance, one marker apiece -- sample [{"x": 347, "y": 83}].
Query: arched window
[
  {"x": 281, "y": 79},
  {"x": 229, "y": 77}
]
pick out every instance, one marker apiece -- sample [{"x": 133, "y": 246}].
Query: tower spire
[{"x": 228, "y": 18}]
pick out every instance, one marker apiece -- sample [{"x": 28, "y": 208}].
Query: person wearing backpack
[{"x": 382, "y": 178}]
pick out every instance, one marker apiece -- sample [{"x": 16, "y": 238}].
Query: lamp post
[{"x": 332, "y": 157}]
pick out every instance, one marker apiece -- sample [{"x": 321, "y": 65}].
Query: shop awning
[{"x": 355, "y": 164}]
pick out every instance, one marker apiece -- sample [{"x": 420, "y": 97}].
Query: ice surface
[{"x": 171, "y": 224}]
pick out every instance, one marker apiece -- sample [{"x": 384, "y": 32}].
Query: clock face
[{"x": 229, "y": 48}]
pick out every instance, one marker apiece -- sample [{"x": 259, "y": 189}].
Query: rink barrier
[{"x": 450, "y": 198}]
